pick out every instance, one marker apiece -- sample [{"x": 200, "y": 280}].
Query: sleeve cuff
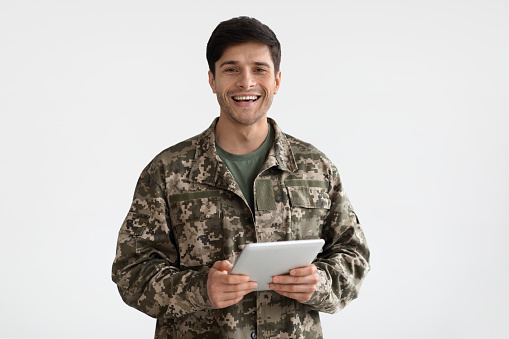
[
  {"x": 197, "y": 291},
  {"x": 322, "y": 289}
]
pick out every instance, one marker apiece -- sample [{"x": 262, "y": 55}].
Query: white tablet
[{"x": 262, "y": 261}]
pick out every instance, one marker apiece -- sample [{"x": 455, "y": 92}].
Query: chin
[{"x": 247, "y": 121}]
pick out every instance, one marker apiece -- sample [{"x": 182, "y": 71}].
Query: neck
[{"x": 241, "y": 139}]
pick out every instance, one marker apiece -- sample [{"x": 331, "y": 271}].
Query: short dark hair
[{"x": 237, "y": 31}]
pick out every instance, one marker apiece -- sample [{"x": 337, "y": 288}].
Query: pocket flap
[
  {"x": 192, "y": 206},
  {"x": 309, "y": 197}
]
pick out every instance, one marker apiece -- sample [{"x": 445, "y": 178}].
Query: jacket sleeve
[
  {"x": 146, "y": 268},
  {"x": 344, "y": 262}
]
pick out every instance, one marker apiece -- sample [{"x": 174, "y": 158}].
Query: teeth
[{"x": 245, "y": 98}]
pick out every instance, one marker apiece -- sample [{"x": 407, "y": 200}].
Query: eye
[
  {"x": 230, "y": 70},
  {"x": 259, "y": 69}
]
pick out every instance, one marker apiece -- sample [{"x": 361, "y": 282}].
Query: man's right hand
[{"x": 227, "y": 289}]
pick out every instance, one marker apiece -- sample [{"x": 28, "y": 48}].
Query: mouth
[{"x": 246, "y": 98}]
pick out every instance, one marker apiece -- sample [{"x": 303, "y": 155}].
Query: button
[{"x": 253, "y": 335}]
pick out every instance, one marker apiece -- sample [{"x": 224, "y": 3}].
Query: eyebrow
[{"x": 232, "y": 62}]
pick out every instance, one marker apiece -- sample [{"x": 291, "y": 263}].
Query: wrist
[
  {"x": 321, "y": 289},
  {"x": 197, "y": 289}
]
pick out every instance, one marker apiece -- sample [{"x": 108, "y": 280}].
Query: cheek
[
  {"x": 225, "y": 96},
  {"x": 269, "y": 95}
]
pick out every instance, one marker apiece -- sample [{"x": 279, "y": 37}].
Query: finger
[
  {"x": 248, "y": 286},
  {"x": 293, "y": 288},
  {"x": 287, "y": 279},
  {"x": 234, "y": 295},
  {"x": 224, "y": 299},
  {"x": 303, "y": 271},
  {"x": 218, "y": 286},
  {"x": 220, "y": 282},
  {"x": 231, "y": 279},
  {"x": 223, "y": 265}
]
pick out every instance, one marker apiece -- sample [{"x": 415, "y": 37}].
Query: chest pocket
[
  {"x": 196, "y": 219},
  {"x": 309, "y": 205}
]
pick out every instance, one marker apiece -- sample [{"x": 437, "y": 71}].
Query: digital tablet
[{"x": 262, "y": 261}]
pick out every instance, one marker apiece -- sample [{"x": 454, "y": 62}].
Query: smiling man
[{"x": 241, "y": 181}]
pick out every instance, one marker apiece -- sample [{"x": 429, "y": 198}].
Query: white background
[{"x": 408, "y": 98}]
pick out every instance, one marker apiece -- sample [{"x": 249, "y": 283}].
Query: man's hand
[
  {"x": 224, "y": 289},
  {"x": 299, "y": 285}
]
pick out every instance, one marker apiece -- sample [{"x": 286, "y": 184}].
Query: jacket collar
[
  {"x": 208, "y": 168},
  {"x": 281, "y": 154}
]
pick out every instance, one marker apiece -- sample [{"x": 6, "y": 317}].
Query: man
[{"x": 241, "y": 181}]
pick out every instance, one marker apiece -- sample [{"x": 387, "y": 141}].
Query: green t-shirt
[{"x": 245, "y": 167}]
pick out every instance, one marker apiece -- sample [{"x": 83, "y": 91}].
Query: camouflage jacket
[{"x": 189, "y": 212}]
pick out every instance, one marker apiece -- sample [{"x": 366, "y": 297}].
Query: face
[{"x": 245, "y": 82}]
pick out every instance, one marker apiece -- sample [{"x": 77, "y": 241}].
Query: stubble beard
[{"x": 242, "y": 119}]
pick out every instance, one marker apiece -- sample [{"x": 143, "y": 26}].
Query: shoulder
[
  {"x": 176, "y": 159},
  {"x": 313, "y": 165},
  {"x": 181, "y": 151},
  {"x": 306, "y": 152}
]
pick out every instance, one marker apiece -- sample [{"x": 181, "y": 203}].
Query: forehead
[{"x": 249, "y": 52}]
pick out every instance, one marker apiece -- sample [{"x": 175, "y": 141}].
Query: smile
[{"x": 252, "y": 98}]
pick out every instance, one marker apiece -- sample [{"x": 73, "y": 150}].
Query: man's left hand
[{"x": 299, "y": 285}]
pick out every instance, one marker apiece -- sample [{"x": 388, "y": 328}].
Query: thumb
[{"x": 223, "y": 265}]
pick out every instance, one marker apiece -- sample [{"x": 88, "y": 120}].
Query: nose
[{"x": 246, "y": 80}]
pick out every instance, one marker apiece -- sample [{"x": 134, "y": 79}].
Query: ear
[
  {"x": 212, "y": 82},
  {"x": 278, "y": 82}
]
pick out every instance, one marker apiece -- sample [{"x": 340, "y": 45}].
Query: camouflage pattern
[{"x": 188, "y": 212}]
